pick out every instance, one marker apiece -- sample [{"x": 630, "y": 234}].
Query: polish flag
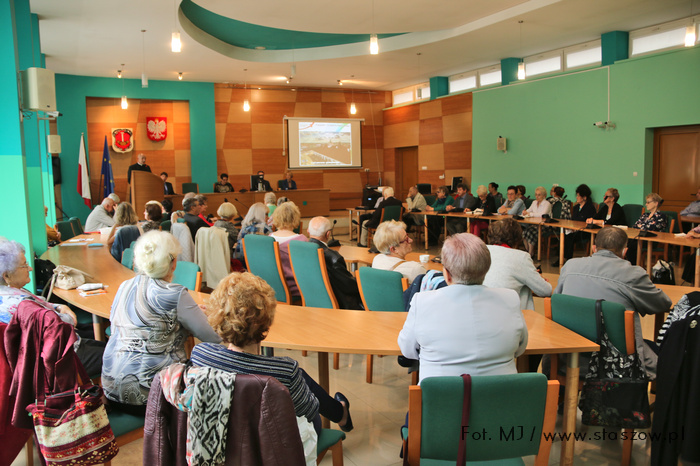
[{"x": 83, "y": 176}]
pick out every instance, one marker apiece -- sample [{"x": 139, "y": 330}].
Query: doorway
[
  {"x": 676, "y": 176},
  {"x": 406, "y": 163}
]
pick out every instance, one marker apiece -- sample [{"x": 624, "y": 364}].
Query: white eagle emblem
[{"x": 157, "y": 128}]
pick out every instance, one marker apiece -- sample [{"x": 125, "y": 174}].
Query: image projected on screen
[{"x": 325, "y": 144}]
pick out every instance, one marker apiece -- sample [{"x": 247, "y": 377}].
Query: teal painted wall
[
  {"x": 71, "y": 94},
  {"x": 550, "y": 131}
]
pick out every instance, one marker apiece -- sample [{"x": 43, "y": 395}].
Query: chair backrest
[
  {"x": 430, "y": 198},
  {"x": 556, "y": 209},
  {"x": 190, "y": 188},
  {"x": 182, "y": 232},
  {"x": 311, "y": 275},
  {"x": 424, "y": 188},
  {"x": 188, "y": 275},
  {"x": 578, "y": 315},
  {"x": 213, "y": 254},
  {"x": 381, "y": 290},
  {"x": 262, "y": 254},
  {"x": 165, "y": 225},
  {"x": 128, "y": 258},
  {"x": 392, "y": 212},
  {"x": 77, "y": 226},
  {"x": 65, "y": 228},
  {"x": 501, "y": 406},
  {"x": 632, "y": 213},
  {"x": 527, "y": 201},
  {"x": 672, "y": 224}
]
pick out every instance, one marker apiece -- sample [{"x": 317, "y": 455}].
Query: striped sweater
[{"x": 286, "y": 370}]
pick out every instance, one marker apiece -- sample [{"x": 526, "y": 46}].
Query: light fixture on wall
[
  {"x": 373, "y": 39},
  {"x": 340, "y": 83},
  {"x": 521, "y": 64},
  {"x": 175, "y": 44},
  {"x": 179, "y": 76},
  {"x": 246, "y": 103},
  {"x": 144, "y": 77}
]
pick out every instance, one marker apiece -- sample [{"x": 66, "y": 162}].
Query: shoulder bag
[{"x": 614, "y": 393}]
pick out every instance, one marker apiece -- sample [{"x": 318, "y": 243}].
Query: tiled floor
[{"x": 379, "y": 409}]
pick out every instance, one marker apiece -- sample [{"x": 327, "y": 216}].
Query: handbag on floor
[
  {"x": 72, "y": 427},
  {"x": 615, "y": 391}
]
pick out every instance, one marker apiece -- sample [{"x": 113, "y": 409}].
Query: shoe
[
  {"x": 348, "y": 423},
  {"x": 361, "y": 245}
]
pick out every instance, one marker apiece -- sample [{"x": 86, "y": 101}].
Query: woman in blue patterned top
[
  {"x": 241, "y": 310},
  {"x": 651, "y": 220}
]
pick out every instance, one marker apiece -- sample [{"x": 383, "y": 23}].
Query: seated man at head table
[
  {"x": 392, "y": 241},
  {"x": 261, "y": 184},
  {"x": 606, "y": 275},
  {"x": 223, "y": 186},
  {"x": 100, "y": 216},
  {"x": 287, "y": 183},
  {"x": 342, "y": 281},
  {"x": 465, "y": 327}
]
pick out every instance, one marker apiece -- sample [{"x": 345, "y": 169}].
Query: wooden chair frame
[
  {"x": 336, "y": 454},
  {"x": 415, "y": 418},
  {"x": 630, "y": 347}
]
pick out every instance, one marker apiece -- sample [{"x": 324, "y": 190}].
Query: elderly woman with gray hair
[
  {"x": 14, "y": 275},
  {"x": 253, "y": 222},
  {"x": 151, "y": 320},
  {"x": 465, "y": 327},
  {"x": 394, "y": 243}
]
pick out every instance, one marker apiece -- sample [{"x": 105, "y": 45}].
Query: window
[
  {"x": 462, "y": 82},
  {"x": 423, "y": 91},
  {"x": 590, "y": 53},
  {"x": 411, "y": 94},
  {"x": 491, "y": 75},
  {"x": 402, "y": 96},
  {"x": 661, "y": 37},
  {"x": 543, "y": 63}
]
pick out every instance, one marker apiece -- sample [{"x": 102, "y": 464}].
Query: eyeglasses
[
  {"x": 172, "y": 258},
  {"x": 24, "y": 266},
  {"x": 606, "y": 197},
  {"x": 407, "y": 239}
]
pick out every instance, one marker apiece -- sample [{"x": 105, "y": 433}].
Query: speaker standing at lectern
[{"x": 140, "y": 165}]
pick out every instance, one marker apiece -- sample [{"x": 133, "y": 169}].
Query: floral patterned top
[
  {"x": 10, "y": 299},
  {"x": 652, "y": 222}
]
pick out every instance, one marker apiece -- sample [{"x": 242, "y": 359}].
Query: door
[
  {"x": 406, "y": 164},
  {"x": 676, "y": 176}
]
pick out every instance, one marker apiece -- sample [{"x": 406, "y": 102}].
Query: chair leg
[
  {"x": 336, "y": 361},
  {"x": 414, "y": 378},
  {"x": 304, "y": 353},
  {"x": 30, "y": 451},
  {"x": 370, "y": 366},
  {"x": 337, "y": 452},
  {"x": 627, "y": 447}
]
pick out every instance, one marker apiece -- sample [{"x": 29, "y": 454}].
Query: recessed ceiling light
[{"x": 259, "y": 47}]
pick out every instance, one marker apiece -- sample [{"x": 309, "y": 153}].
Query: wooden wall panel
[
  {"x": 401, "y": 134},
  {"x": 461, "y": 103},
  {"x": 401, "y": 114},
  {"x": 271, "y": 112},
  {"x": 431, "y": 156},
  {"x": 430, "y": 131},
  {"x": 432, "y": 109},
  {"x": 458, "y": 155},
  {"x": 238, "y": 136}
]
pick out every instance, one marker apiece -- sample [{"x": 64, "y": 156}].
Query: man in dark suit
[
  {"x": 343, "y": 283},
  {"x": 167, "y": 186},
  {"x": 139, "y": 166},
  {"x": 373, "y": 222},
  {"x": 287, "y": 183},
  {"x": 464, "y": 202},
  {"x": 192, "y": 219},
  {"x": 262, "y": 183}
]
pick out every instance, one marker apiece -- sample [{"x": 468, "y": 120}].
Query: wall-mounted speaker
[
  {"x": 53, "y": 144},
  {"x": 38, "y": 90},
  {"x": 501, "y": 144}
]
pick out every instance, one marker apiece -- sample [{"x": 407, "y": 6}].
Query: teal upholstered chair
[
  {"x": 380, "y": 290},
  {"x": 311, "y": 276},
  {"x": 65, "y": 228},
  {"x": 632, "y": 213},
  {"x": 578, "y": 315},
  {"x": 500, "y": 405},
  {"x": 188, "y": 275},
  {"x": 392, "y": 212},
  {"x": 528, "y": 202},
  {"x": 128, "y": 258},
  {"x": 165, "y": 225},
  {"x": 430, "y": 199},
  {"x": 190, "y": 188},
  {"x": 77, "y": 226},
  {"x": 126, "y": 427},
  {"x": 262, "y": 254},
  {"x": 330, "y": 439}
]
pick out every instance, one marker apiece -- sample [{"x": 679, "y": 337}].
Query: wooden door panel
[{"x": 676, "y": 165}]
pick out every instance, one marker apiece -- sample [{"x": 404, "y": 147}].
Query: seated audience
[
  {"x": 415, "y": 202},
  {"x": 538, "y": 208},
  {"x": 241, "y": 310},
  {"x": 493, "y": 192},
  {"x": 227, "y": 212},
  {"x": 223, "y": 186},
  {"x": 151, "y": 318},
  {"x": 693, "y": 209},
  {"x": 651, "y": 220},
  {"x": 582, "y": 211},
  {"x": 393, "y": 243},
  {"x": 203, "y": 205},
  {"x": 464, "y": 202},
  {"x": 14, "y": 276},
  {"x": 100, "y": 217},
  {"x": 610, "y": 212},
  {"x": 435, "y": 223},
  {"x": 53, "y": 236},
  {"x": 342, "y": 281},
  {"x": 153, "y": 215},
  {"x": 513, "y": 205},
  {"x": 487, "y": 205},
  {"x": 115, "y": 198},
  {"x": 192, "y": 219},
  {"x": 511, "y": 267},
  {"x": 124, "y": 231},
  {"x": 167, "y": 208},
  {"x": 254, "y": 222},
  {"x": 373, "y": 220},
  {"x": 286, "y": 219},
  {"x": 287, "y": 183},
  {"x": 606, "y": 275},
  {"x": 465, "y": 327},
  {"x": 556, "y": 196},
  {"x": 271, "y": 203}
]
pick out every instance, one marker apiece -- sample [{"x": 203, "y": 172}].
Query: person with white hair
[
  {"x": 393, "y": 243},
  {"x": 286, "y": 219},
  {"x": 253, "y": 222},
  {"x": 151, "y": 318},
  {"x": 373, "y": 221},
  {"x": 342, "y": 281},
  {"x": 227, "y": 212},
  {"x": 139, "y": 166},
  {"x": 115, "y": 198},
  {"x": 465, "y": 327},
  {"x": 14, "y": 276},
  {"x": 101, "y": 217}
]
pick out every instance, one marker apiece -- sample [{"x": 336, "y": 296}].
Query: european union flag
[{"x": 106, "y": 174}]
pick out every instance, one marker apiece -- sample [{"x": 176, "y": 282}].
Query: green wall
[
  {"x": 550, "y": 131},
  {"x": 71, "y": 94}
]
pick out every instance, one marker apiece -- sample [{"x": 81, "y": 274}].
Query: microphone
[
  {"x": 236, "y": 199},
  {"x": 333, "y": 242}
]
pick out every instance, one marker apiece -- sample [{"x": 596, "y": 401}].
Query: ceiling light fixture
[
  {"x": 125, "y": 103},
  {"x": 373, "y": 39},
  {"x": 175, "y": 44},
  {"x": 521, "y": 64},
  {"x": 353, "y": 109},
  {"x": 690, "y": 36},
  {"x": 179, "y": 76},
  {"x": 144, "y": 77},
  {"x": 246, "y": 103},
  {"x": 119, "y": 73}
]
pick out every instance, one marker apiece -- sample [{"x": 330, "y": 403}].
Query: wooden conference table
[{"x": 321, "y": 330}]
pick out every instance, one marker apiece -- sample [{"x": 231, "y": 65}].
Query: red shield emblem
[
  {"x": 157, "y": 128},
  {"x": 122, "y": 140}
]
